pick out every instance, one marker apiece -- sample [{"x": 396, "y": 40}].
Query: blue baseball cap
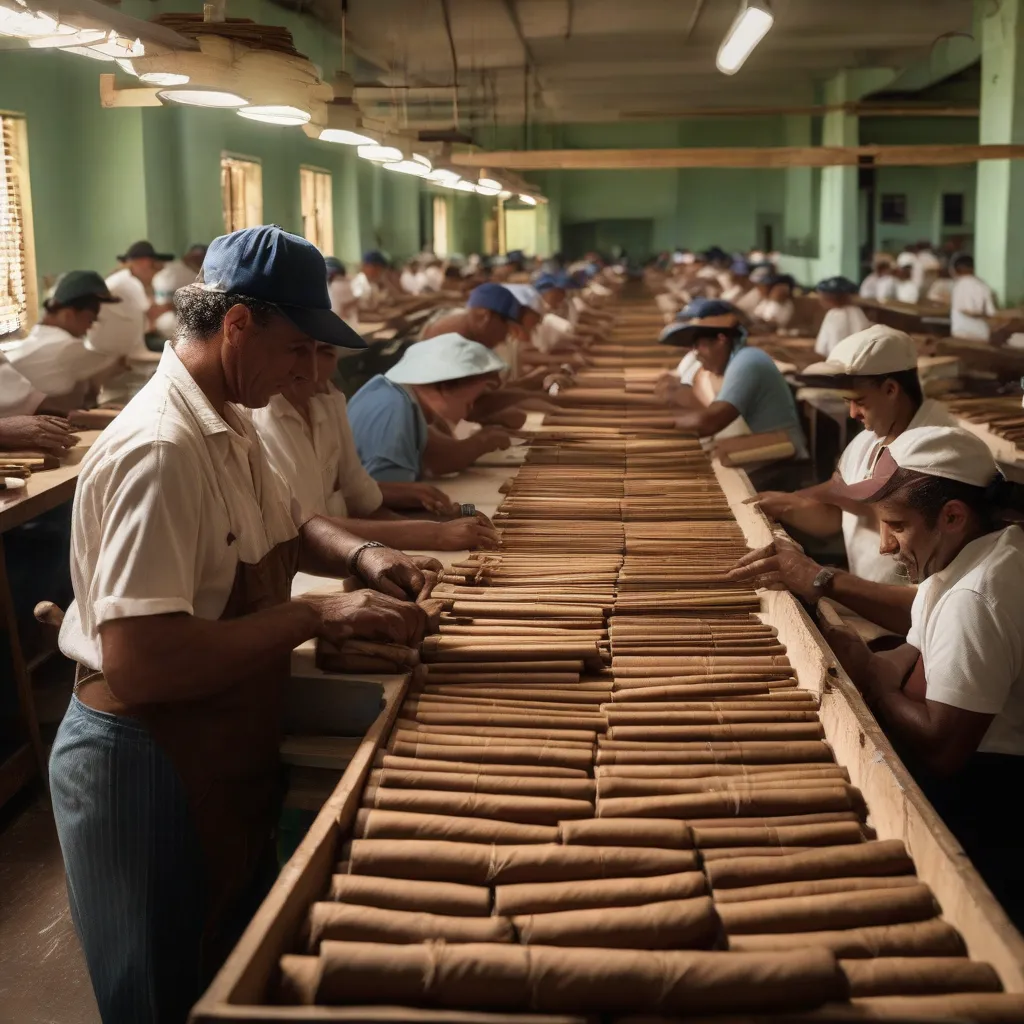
[
  {"x": 497, "y": 298},
  {"x": 376, "y": 258},
  {"x": 269, "y": 264},
  {"x": 334, "y": 265},
  {"x": 837, "y": 286},
  {"x": 701, "y": 313},
  {"x": 559, "y": 279}
]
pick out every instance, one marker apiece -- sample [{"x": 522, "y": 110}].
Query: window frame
[
  {"x": 902, "y": 197},
  {"x": 326, "y": 228},
  {"x": 252, "y": 201},
  {"x": 19, "y": 163}
]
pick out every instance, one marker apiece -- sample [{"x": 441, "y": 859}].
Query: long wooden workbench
[{"x": 708, "y": 504}]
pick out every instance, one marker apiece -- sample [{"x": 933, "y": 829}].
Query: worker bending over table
[
  {"x": 439, "y": 379},
  {"x": 752, "y": 386},
  {"x": 877, "y": 370},
  {"x": 309, "y": 444},
  {"x": 165, "y": 773},
  {"x": 952, "y": 697},
  {"x": 843, "y": 316}
]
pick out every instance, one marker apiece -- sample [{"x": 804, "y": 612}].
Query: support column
[
  {"x": 998, "y": 242},
  {"x": 838, "y": 235}
]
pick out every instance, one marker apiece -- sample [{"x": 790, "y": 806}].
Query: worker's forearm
[
  {"x": 885, "y": 604},
  {"x": 163, "y": 658},
  {"x": 812, "y": 517},
  {"x": 396, "y": 533},
  {"x": 327, "y": 547},
  {"x": 448, "y": 455}
]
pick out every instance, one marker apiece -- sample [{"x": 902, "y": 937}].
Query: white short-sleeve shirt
[
  {"x": 169, "y": 500},
  {"x": 18, "y": 395},
  {"x": 777, "y": 313},
  {"x": 120, "y": 329},
  {"x": 968, "y": 623},
  {"x": 838, "y": 325},
  {"x": 319, "y": 464},
  {"x": 972, "y": 300},
  {"x": 860, "y": 532},
  {"x": 55, "y": 361},
  {"x": 550, "y": 332}
]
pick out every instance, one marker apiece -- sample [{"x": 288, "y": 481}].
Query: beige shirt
[
  {"x": 120, "y": 329},
  {"x": 319, "y": 464},
  {"x": 972, "y": 300},
  {"x": 18, "y": 396},
  {"x": 57, "y": 362},
  {"x": 169, "y": 500}
]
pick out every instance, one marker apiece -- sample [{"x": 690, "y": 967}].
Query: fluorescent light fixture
[
  {"x": 275, "y": 114},
  {"x": 343, "y": 137},
  {"x": 486, "y": 190},
  {"x": 749, "y": 28},
  {"x": 81, "y": 37},
  {"x": 504, "y": 194},
  {"x": 202, "y": 98},
  {"x": 423, "y": 162},
  {"x": 160, "y": 77},
  {"x": 491, "y": 183},
  {"x": 86, "y": 51},
  {"x": 443, "y": 176},
  {"x": 529, "y": 200},
  {"x": 380, "y": 154},
  {"x": 463, "y": 186},
  {"x": 407, "y": 167},
  {"x": 27, "y": 25}
]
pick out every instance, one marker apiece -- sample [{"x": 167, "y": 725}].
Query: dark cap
[
  {"x": 268, "y": 264},
  {"x": 552, "y": 279},
  {"x": 376, "y": 258},
  {"x": 334, "y": 265},
  {"x": 145, "y": 250},
  {"x": 80, "y": 284},
  {"x": 837, "y": 286},
  {"x": 701, "y": 313},
  {"x": 497, "y": 298}
]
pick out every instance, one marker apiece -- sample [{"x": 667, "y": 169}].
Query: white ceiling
[{"x": 607, "y": 60}]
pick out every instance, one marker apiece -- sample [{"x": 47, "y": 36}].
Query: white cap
[
  {"x": 446, "y": 357},
  {"x": 906, "y": 259},
  {"x": 874, "y": 352},
  {"x": 527, "y": 295}
]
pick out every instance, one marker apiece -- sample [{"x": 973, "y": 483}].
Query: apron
[{"x": 225, "y": 748}]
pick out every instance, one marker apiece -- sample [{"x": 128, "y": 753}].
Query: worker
[
  {"x": 309, "y": 444},
  {"x": 165, "y": 771},
  {"x": 926, "y": 266},
  {"x": 907, "y": 290},
  {"x": 752, "y": 385},
  {"x": 940, "y": 291},
  {"x": 412, "y": 279},
  {"x": 433, "y": 274},
  {"x": 843, "y": 316},
  {"x": 880, "y": 284},
  {"x": 24, "y": 422},
  {"x": 168, "y": 280},
  {"x": 491, "y": 311},
  {"x": 369, "y": 285},
  {"x": 758, "y": 291},
  {"x": 121, "y": 327},
  {"x": 776, "y": 311},
  {"x": 736, "y": 281},
  {"x": 343, "y": 301},
  {"x": 440, "y": 378},
  {"x": 877, "y": 369},
  {"x": 972, "y": 300},
  {"x": 54, "y": 356},
  {"x": 952, "y": 697}
]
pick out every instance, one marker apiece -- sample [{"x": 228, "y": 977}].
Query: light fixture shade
[
  {"x": 202, "y": 98},
  {"x": 462, "y": 185},
  {"x": 408, "y": 167},
  {"x": 380, "y": 154},
  {"x": 76, "y": 37},
  {"x": 529, "y": 200},
  {"x": 117, "y": 46},
  {"x": 343, "y": 137},
  {"x": 87, "y": 51},
  {"x": 275, "y": 114},
  {"x": 485, "y": 190},
  {"x": 443, "y": 176},
  {"x": 28, "y": 25},
  {"x": 490, "y": 183},
  {"x": 749, "y": 28},
  {"x": 162, "y": 78}
]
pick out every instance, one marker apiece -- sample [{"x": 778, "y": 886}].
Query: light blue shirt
[
  {"x": 753, "y": 385},
  {"x": 390, "y": 431}
]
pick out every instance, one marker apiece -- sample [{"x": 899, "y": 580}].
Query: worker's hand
[
  {"x": 850, "y": 650},
  {"x": 426, "y": 563},
  {"x": 471, "y": 533},
  {"x": 368, "y": 616},
  {"x": 494, "y": 439},
  {"x": 389, "y": 571},
  {"x": 50, "y": 434},
  {"x": 432, "y": 499},
  {"x": 775, "y": 504},
  {"x": 512, "y": 418},
  {"x": 558, "y": 381},
  {"x": 781, "y": 565}
]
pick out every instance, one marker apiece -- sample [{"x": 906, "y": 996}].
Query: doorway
[{"x": 635, "y": 237}]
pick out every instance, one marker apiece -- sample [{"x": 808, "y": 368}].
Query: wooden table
[
  {"x": 919, "y": 319},
  {"x": 43, "y": 492}
]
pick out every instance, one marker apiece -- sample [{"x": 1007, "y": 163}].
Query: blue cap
[
  {"x": 558, "y": 279},
  {"x": 837, "y": 286},
  {"x": 495, "y": 297},
  {"x": 515, "y": 256},
  {"x": 699, "y": 313},
  {"x": 376, "y": 258},
  {"x": 268, "y": 264},
  {"x": 741, "y": 268},
  {"x": 334, "y": 265}
]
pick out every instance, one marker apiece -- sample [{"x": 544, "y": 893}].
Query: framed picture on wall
[{"x": 894, "y": 208}]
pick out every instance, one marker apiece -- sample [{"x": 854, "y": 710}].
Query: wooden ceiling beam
[{"x": 757, "y": 157}]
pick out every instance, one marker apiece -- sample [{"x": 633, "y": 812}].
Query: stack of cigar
[{"x": 607, "y": 793}]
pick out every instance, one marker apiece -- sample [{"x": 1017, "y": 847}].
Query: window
[
  {"x": 440, "y": 240},
  {"x": 241, "y": 189},
  {"x": 894, "y": 209},
  {"x": 952, "y": 209},
  {"x": 17, "y": 258},
  {"x": 317, "y": 210}
]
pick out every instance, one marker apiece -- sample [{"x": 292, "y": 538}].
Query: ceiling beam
[{"x": 759, "y": 157}]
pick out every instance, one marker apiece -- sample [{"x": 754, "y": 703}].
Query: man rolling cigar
[
  {"x": 165, "y": 771},
  {"x": 876, "y": 369},
  {"x": 952, "y": 697}
]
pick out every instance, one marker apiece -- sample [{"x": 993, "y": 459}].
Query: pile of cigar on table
[{"x": 606, "y": 794}]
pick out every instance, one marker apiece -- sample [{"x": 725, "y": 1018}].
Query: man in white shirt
[
  {"x": 168, "y": 280},
  {"x": 907, "y": 290},
  {"x": 777, "y": 310},
  {"x": 54, "y": 356},
  {"x": 165, "y": 770},
  {"x": 971, "y": 302},
  {"x": 23, "y": 426},
  {"x": 843, "y": 316},
  {"x": 952, "y": 697},
  {"x": 368, "y": 284},
  {"x": 120, "y": 330},
  {"x": 343, "y": 301},
  {"x": 877, "y": 370},
  {"x": 880, "y": 284},
  {"x": 412, "y": 280}
]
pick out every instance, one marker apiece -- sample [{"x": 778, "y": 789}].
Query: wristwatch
[
  {"x": 823, "y": 581},
  {"x": 353, "y": 561},
  {"x": 467, "y": 509}
]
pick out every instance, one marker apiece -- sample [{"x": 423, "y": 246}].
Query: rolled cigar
[
  {"x": 703, "y": 664},
  {"x": 541, "y": 753},
  {"x": 814, "y": 887},
  {"x": 448, "y": 648},
  {"x": 550, "y": 720},
  {"x": 708, "y": 856},
  {"x": 812, "y": 769},
  {"x": 567, "y": 696},
  {"x": 545, "y": 897},
  {"x": 613, "y": 786},
  {"x": 917, "y": 975},
  {"x": 506, "y": 807},
  {"x": 646, "y": 832},
  {"x": 829, "y": 834},
  {"x": 344, "y": 923},
  {"x": 383, "y": 824},
  {"x": 432, "y": 702},
  {"x": 727, "y": 731},
  {"x": 492, "y": 735},
  {"x": 482, "y": 782},
  {"x": 540, "y": 609},
  {"x": 516, "y": 770},
  {"x": 933, "y": 937},
  {"x": 776, "y": 821},
  {"x": 886, "y": 857},
  {"x": 676, "y": 924},
  {"x": 620, "y": 718},
  {"x": 545, "y": 979},
  {"x": 708, "y": 690},
  {"x": 646, "y": 680},
  {"x": 979, "y": 1008},
  {"x": 407, "y": 894},
  {"x": 787, "y": 700},
  {"x": 438, "y": 675},
  {"x": 736, "y": 803},
  {"x": 462, "y": 667},
  {"x": 480, "y": 864},
  {"x": 715, "y": 753}
]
